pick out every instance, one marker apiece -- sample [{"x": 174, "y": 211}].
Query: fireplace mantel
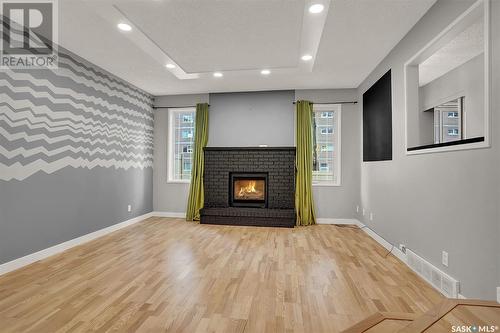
[{"x": 277, "y": 163}]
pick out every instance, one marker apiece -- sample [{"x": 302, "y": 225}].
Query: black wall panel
[{"x": 377, "y": 121}]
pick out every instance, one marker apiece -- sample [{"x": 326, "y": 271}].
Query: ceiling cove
[{"x": 284, "y": 35}]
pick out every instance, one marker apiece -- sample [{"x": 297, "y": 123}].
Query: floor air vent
[{"x": 447, "y": 285}]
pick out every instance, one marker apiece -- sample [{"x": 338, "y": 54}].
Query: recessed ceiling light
[
  {"x": 316, "y": 8},
  {"x": 124, "y": 27},
  {"x": 265, "y": 72},
  {"x": 218, "y": 74},
  {"x": 170, "y": 66},
  {"x": 307, "y": 57}
]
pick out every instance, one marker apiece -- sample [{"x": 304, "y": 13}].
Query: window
[
  {"x": 327, "y": 147},
  {"x": 326, "y": 153},
  {"x": 326, "y": 130},
  {"x": 180, "y": 144},
  {"x": 186, "y": 167},
  {"x": 187, "y": 133},
  {"x": 448, "y": 124}
]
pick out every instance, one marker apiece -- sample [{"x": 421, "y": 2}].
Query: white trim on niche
[
  {"x": 466, "y": 146},
  {"x": 429, "y": 48},
  {"x": 53, "y": 250}
]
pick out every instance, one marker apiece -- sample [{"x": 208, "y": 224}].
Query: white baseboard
[
  {"x": 400, "y": 255},
  {"x": 42, "y": 254},
  {"x": 169, "y": 214},
  {"x": 395, "y": 250},
  {"x": 321, "y": 220}
]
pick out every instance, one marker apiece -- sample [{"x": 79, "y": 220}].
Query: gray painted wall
[
  {"x": 169, "y": 197},
  {"x": 445, "y": 201},
  {"x": 495, "y": 119},
  {"x": 75, "y": 150},
  {"x": 251, "y": 118},
  {"x": 274, "y": 110}
]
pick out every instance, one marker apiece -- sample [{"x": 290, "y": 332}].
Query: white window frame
[
  {"x": 336, "y": 137},
  {"x": 171, "y": 145}
]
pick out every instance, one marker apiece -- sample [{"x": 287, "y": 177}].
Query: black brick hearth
[{"x": 279, "y": 165}]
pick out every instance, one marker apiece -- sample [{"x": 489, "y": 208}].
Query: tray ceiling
[{"x": 239, "y": 38}]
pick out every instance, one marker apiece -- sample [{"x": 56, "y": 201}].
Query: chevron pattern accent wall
[
  {"x": 76, "y": 116},
  {"x": 76, "y": 154}
]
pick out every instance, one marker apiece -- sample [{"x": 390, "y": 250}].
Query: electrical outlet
[
  {"x": 357, "y": 209},
  {"x": 402, "y": 247},
  {"x": 498, "y": 294},
  {"x": 363, "y": 212},
  {"x": 129, "y": 208},
  {"x": 371, "y": 216},
  {"x": 444, "y": 258}
]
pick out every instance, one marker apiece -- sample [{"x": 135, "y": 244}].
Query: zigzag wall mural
[
  {"x": 76, "y": 154},
  {"x": 75, "y": 116}
]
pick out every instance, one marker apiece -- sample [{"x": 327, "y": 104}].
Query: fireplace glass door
[{"x": 248, "y": 190}]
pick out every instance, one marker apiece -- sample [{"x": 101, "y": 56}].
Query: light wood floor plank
[{"x": 168, "y": 275}]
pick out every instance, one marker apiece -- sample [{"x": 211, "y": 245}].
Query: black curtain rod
[
  {"x": 352, "y": 102},
  {"x": 175, "y": 107},
  {"x": 192, "y": 106}
]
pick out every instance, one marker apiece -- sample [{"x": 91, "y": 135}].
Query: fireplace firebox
[{"x": 248, "y": 190}]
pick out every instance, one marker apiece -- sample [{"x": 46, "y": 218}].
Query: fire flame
[{"x": 250, "y": 188}]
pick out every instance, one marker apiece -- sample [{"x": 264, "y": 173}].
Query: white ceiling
[
  {"x": 199, "y": 35},
  {"x": 237, "y": 37}
]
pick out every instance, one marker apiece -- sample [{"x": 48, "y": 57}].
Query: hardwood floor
[
  {"x": 170, "y": 275},
  {"x": 450, "y": 315},
  {"x": 485, "y": 315},
  {"x": 382, "y": 323}
]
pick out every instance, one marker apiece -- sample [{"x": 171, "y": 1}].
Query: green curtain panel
[
  {"x": 196, "y": 194},
  {"x": 304, "y": 203}
]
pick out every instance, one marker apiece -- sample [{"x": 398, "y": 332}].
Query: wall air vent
[{"x": 447, "y": 285}]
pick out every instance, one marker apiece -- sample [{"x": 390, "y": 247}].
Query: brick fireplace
[{"x": 249, "y": 186}]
